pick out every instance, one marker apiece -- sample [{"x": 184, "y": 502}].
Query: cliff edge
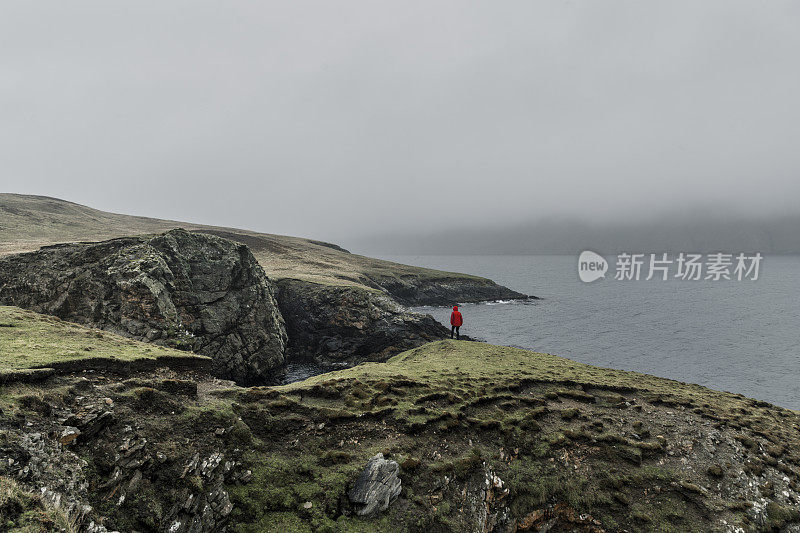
[{"x": 449, "y": 436}]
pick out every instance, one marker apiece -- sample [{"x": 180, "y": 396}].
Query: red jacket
[{"x": 455, "y": 317}]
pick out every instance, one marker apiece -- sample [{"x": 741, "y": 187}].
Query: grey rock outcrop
[
  {"x": 42, "y": 463},
  {"x": 186, "y": 290},
  {"x": 376, "y": 487},
  {"x": 333, "y": 324},
  {"x": 417, "y": 290}
]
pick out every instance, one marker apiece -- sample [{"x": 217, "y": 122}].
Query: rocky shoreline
[{"x": 414, "y": 291}]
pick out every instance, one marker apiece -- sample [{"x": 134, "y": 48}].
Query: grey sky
[{"x": 342, "y": 119}]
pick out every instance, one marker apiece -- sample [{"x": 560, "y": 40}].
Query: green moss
[
  {"x": 276, "y": 521},
  {"x": 780, "y": 516},
  {"x": 569, "y": 414}
]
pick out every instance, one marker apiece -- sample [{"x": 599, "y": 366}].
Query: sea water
[{"x": 739, "y": 336}]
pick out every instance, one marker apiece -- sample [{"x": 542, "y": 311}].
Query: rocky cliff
[
  {"x": 186, "y": 290},
  {"x": 207, "y": 294},
  {"x": 349, "y": 324}
]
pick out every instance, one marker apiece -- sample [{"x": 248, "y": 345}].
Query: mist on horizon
[
  {"x": 513, "y": 126},
  {"x": 680, "y": 233}
]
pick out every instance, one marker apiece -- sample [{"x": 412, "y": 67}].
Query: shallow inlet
[{"x": 300, "y": 370}]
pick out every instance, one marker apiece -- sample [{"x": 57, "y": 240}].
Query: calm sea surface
[{"x": 739, "y": 336}]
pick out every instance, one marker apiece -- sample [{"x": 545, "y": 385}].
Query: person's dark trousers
[{"x": 455, "y": 329}]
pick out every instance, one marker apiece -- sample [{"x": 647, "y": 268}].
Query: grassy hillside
[
  {"x": 630, "y": 450},
  {"x": 29, "y": 340},
  {"x": 29, "y": 222},
  {"x": 483, "y": 435}
]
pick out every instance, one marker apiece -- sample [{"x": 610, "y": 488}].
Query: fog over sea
[{"x": 738, "y": 336}]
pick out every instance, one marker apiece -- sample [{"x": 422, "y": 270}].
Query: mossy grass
[
  {"x": 554, "y": 430},
  {"x": 474, "y": 367},
  {"x": 452, "y": 413},
  {"x": 30, "y": 340}
]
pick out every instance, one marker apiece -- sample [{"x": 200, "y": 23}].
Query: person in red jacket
[{"x": 455, "y": 322}]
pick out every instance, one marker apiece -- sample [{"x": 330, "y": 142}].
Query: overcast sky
[{"x": 342, "y": 119}]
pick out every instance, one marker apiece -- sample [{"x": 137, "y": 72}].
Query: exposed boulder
[
  {"x": 349, "y": 324},
  {"x": 186, "y": 290},
  {"x": 376, "y": 487}
]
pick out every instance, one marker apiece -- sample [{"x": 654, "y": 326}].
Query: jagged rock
[
  {"x": 208, "y": 510},
  {"x": 376, "y": 487},
  {"x": 191, "y": 465},
  {"x": 90, "y": 423},
  {"x": 69, "y": 435},
  {"x": 209, "y": 465},
  {"x": 98, "y": 528},
  {"x": 350, "y": 324},
  {"x": 55, "y": 473},
  {"x": 135, "y": 480},
  {"x": 242, "y": 477},
  {"x": 186, "y": 290}
]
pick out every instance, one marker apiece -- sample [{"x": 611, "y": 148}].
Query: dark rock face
[
  {"x": 186, "y": 290},
  {"x": 349, "y": 324},
  {"x": 413, "y": 290},
  {"x": 186, "y": 485},
  {"x": 376, "y": 487}
]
